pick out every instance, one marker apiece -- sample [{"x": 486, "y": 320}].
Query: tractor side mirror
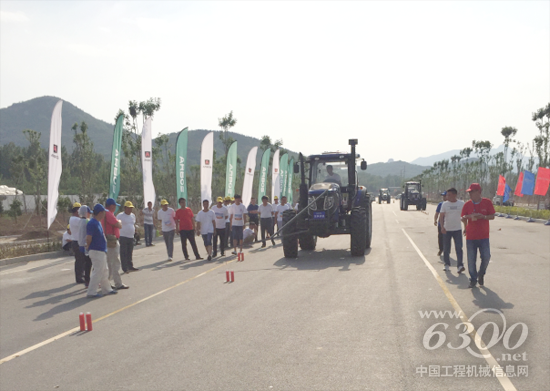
[
  {"x": 296, "y": 168},
  {"x": 363, "y": 165}
]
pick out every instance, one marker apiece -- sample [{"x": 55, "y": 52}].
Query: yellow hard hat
[
  {"x": 76, "y": 205},
  {"x": 227, "y": 198},
  {"x": 275, "y": 198},
  {"x": 219, "y": 199},
  {"x": 164, "y": 202},
  {"x": 128, "y": 204},
  {"x": 232, "y": 198}
]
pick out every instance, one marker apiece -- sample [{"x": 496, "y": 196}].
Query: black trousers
[
  {"x": 440, "y": 238},
  {"x": 228, "y": 236},
  {"x": 219, "y": 233},
  {"x": 188, "y": 235},
  {"x": 126, "y": 252},
  {"x": 266, "y": 225},
  {"x": 79, "y": 263}
]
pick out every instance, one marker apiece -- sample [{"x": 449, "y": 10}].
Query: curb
[{"x": 50, "y": 255}]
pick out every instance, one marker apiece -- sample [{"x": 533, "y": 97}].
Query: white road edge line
[{"x": 505, "y": 381}]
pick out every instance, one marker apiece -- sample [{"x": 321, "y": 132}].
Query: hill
[
  {"x": 36, "y": 114},
  {"x": 400, "y": 168}
]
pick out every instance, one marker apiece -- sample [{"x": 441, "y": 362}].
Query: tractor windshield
[
  {"x": 329, "y": 172},
  {"x": 413, "y": 187}
]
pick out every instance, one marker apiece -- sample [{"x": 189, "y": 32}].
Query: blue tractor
[{"x": 331, "y": 203}]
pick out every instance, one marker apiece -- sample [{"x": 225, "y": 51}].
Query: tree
[
  {"x": 36, "y": 167},
  {"x": 508, "y": 132},
  {"x": 226, "y": 123},
  {"x": 15, "y": 210},
  {"x": 83, "y": 163},
  {"x": 542, "y": 143}
]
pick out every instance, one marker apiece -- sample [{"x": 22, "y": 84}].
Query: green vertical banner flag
[
  {"x": 114, "y": 183},
  {"x": 289, "y": 189},
  {"x": 283, "y": 167},
  {"x": 231, "y": 172},
  {"x": 181, "y": 164},
  {"x": 264, "y": 169}
]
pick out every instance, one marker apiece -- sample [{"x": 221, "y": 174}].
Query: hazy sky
[{"x": 408, "y": 79}]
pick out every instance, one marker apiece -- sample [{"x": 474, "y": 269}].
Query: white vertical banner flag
[
  {"x": 249, "y": 176},
  {"x": 207, "y": 154},
  {"x": 147, "y": 163},
  {"x": 54, "y": 163},
  {"x": 275, "y": 177}
]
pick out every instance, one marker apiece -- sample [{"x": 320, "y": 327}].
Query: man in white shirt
[
  {"x": 237, "y": 220},
  {"x": 206, "y": 221},
  {"x": 67, "y": 239},
  {"x": 167, "y": 218},
  {"x": 222, "y": 214},
  {"x": 228, "y": 240},
  {"x": 332, "y": 177},
  {"x": 79, "y": 257},
  {"x": 451, "y": 227},
  {"x": 126, "y": 240},
  {"x": 265, "y": 211},
  {"x": 279, "y": 212},
  {"x": 148, "y": 223}
]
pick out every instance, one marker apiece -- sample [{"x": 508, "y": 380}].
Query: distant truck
[{"x": 384, "y": 196}]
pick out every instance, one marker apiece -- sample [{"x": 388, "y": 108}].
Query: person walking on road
[
  {"x": 476, "y": 214},
  {"x": 237, "y": 221},
  {"x": 111, "y": 228},
  {"x": 222, "y": 214},
  {"x": 167, "y": 218},
  {"x": 185, "y": 224},
  {"x": 206, "y": 221},
  {"x": 437, "y": 223},
  {"x": 148, "y": 223},
  {"x": 84, "y": 212},
  {"x": 127, "y": 232},
  {"x": 228, "y": 236},
  {"x": 266, "y": 218},
  {"x": 279, "y": 212},
  {"x": 451, "y": 228},
  {"x": 253, "y": 217},
  {"x": 79, "y": 259},
  {"x": 96, "y": 245}
]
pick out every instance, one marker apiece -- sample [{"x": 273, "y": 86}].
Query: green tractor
[
  {"x": 412, "y": 195},
  {"x": 331, "y": 203},
  {"x": 384, "y": 196}
]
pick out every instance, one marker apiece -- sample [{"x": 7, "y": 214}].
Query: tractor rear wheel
[
  {"x": 290, "y": 242},
  {"x": 369, "y": 226},
  {"x": 405, "y": 204},
  {"x": 358, "y": 231}
]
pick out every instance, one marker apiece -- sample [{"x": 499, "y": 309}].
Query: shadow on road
[
  {"x": 319, "y": 260},
  {"x": 62, "y": 307},
  {"x": 49, "y": 292},
  {"x": 486, "y": 298}
]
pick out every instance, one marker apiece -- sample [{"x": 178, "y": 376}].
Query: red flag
[
  {"x": 501, "y": 185},
  {"x": 519, "y": 185},
  {"x": 543, "y": 181}
]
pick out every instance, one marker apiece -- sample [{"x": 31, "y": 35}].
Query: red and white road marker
[
  {"x": 240, "y": 257},
  {"x": 89, "y": 321},
  {"x": 232, "y": 277},
  {"x": 229, "y": 276},
  {"x": 82, "y": 322}
]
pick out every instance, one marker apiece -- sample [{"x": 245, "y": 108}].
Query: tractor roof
[{"x": 331, "y": 156}]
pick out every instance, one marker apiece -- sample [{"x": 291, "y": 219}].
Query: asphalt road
[{"x": 324, "y": 321}]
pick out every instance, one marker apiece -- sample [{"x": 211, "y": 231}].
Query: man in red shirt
[
  {"x": 111, "y": 226},
  {"x": 185, "y": 223},
  {"x": 476, "y": 214}
]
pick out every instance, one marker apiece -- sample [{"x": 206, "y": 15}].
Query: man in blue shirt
[
  {"x": 438, "y": 225},
  {"x": 96, "y": 245}
]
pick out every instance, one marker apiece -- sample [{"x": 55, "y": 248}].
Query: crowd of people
[
  {"x": 103, "y": 243},
  {"x": 475, "y": 214}
]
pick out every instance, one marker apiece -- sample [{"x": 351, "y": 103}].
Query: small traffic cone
[
  {"x": 82, "y": 322},
  {"x": 232, "y": 277},
  {"x": 227, "y": 277},
  {"x": 242, "y": 257},
  {"x": 89, "y": 321}
]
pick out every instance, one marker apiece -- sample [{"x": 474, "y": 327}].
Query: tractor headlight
[
  {"x": 329, "y": 203},
  {"x": 313, "y": 204}
]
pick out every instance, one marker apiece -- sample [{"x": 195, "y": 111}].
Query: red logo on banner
[
  {"x": 207, "y": 162},
  {"x": 249, "y": 170},
  {"x": 54, "y": 148},
  {"x": 276, "y": 170},
  {"x": 147, "y": 154}
]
